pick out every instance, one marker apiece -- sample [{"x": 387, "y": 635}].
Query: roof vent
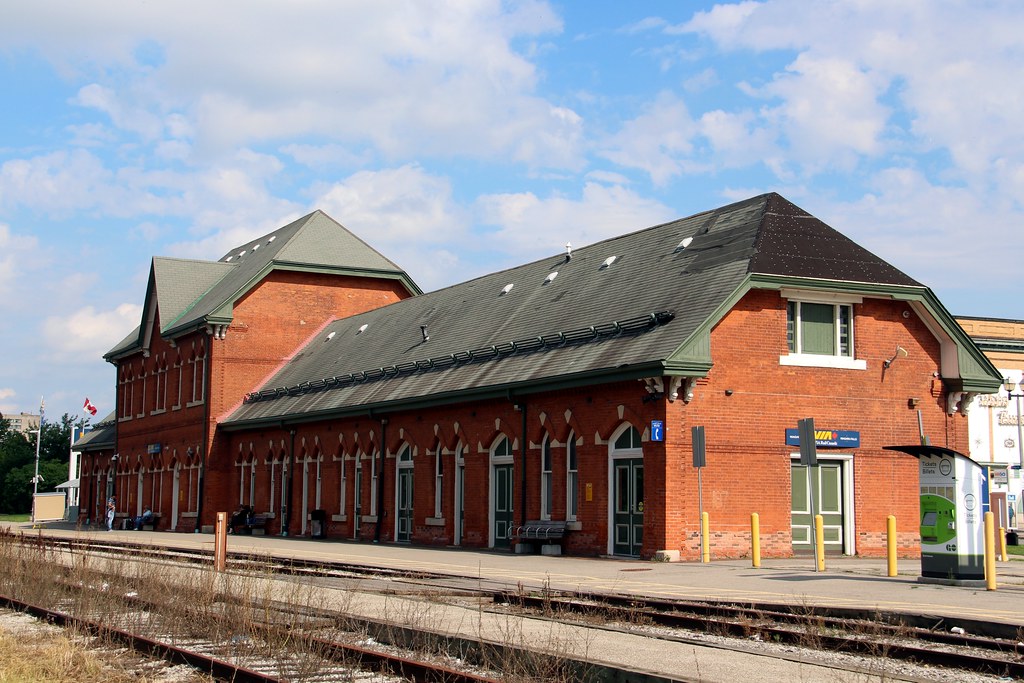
[
  {"x": 506, "y": 289},
  {"x": 362, "y": 328},
  {"x": 684, "y": 244},
  {"x": 551, "y": 277},
  {"x": 329, "y": 337},
  {"x": 241, "y": 253},
  {"x": 272, "y": 238},
  {"x": 228, "y": 259},
  {"x": 255, "y": 247},
  {"x": 568, "y": 250},
  {"x": 423, "y": 331},
  {"x": 607, "y": 262}
]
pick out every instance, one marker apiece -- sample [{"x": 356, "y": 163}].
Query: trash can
[
  {"x": 318, "y": 523},
  {"x": 1011, "y": 538}
]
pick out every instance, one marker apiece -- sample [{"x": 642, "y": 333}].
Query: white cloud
[
  {"x": 657, "y": 141},
  {"x": 406, "y": 77},
  {"x": 86, "y": 334},
  {"x": 393, "y": 206},
  {"x": 856, "y": 63},
  {"x": 15, "y": 251},
  {"x": 530, "y": 227}
]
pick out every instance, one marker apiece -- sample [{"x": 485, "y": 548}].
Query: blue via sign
[
  {"x": 826, "y": 438},
  {"x": 657, "y": 430}
]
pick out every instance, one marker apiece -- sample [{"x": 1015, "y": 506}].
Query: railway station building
[{"x": 306, "y": 375}]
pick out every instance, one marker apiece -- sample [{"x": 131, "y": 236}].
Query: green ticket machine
[{"x": 952, "y": 519}]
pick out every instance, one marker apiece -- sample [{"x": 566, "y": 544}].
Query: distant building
[
  {"x": 23, "y": 422},
  {"x": 305, "y": 375},
  {"x": 993, "y": 419}
]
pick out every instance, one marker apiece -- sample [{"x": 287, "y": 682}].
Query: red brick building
[{"x": 314, "y": 383}]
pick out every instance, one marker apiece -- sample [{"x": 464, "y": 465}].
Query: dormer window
[{"x": 820, "y": 330}]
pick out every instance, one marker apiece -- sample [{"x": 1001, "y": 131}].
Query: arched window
[
  {"x": 572, "y": 481},
  {"x": 546, "y": 483}
]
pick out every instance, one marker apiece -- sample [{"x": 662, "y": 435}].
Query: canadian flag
[{"x": 90, "y": 407}]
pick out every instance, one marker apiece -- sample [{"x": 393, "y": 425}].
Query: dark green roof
[
  {"x": 100, "y": 437},
  {"x": 634, "y": 306}
]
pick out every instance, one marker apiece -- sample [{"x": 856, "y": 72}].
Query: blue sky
[{"x": 464, "y": 137}]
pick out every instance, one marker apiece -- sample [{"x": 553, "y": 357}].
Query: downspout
[
  {"x": 380, "y": 479},
  {"x": 286, "y": 514},
  {"x": 522, "y": 468},
  {"x": 204, "y": 447}
]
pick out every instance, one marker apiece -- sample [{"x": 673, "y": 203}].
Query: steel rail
[{"x": 742, "y": 622}]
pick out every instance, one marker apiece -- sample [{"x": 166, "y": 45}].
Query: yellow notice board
[{"x": 48, "y": 507}]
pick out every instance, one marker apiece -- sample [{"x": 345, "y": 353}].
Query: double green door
[
  {"x": 823, "y": 484},
  {"x": 628, "y": 511}
]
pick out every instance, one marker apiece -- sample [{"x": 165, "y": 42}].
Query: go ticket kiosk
[{"x": 952, "y": 515}]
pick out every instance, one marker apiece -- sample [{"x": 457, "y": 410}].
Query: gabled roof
[
  {"x": 639, "y": 305},
  {"x": 100, "y": 437},
  {"x": 190, "y": 294}
]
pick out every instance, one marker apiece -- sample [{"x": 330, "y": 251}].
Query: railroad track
[
  {"x": 963, "y": 647},
  {"x": 943, "y": 644}
]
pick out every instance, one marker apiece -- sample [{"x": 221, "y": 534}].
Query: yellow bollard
[
  {"x": 890, "y": 544},
  {"x": 819, "y": 540},
  {"x": 1002, "y": 544},
  {"x": 755, "y": 539},
  {"x": 990, "y": 552},
  {"x": 705, "y": 549}
]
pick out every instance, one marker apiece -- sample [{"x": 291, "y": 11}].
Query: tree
[
  {"x": 15, "y": 451},
  {"x": 18, "y": 452},
  {"x": 16, "y": 495}
]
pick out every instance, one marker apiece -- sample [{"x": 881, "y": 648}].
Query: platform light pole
[{"x": 1008, "y": 385}]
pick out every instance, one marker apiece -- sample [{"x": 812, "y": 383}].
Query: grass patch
[
  {"x": 1015, "y": 550},
  {"x": 16, "y": 518}
]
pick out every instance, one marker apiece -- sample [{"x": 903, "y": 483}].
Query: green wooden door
[
  {"x": 826, "y": 483},
  {"x": 405, "y": 482},
  {"x": 502, "y": 505},
  {"x": 628, "y": 511}
]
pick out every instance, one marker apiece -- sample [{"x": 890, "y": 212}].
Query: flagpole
[{"x": 39, "y": 438}]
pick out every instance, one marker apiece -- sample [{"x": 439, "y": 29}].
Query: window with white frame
[
  {"x": 820, "y": 330},
  {"x": 373, "y": 484},
  {"x": 160, "y": 390},
  {"x": 438, "y": 483},
  {"x": 198, "y": 361},
  {"x": 144, "y": 376},
  {"x": 546, "y": 497},
  {"x": 572, "y": 482},
  {"x": 357, "y": 488},
  {"x": 342, "y": 484},
  {"x": 178, "y": 375}
]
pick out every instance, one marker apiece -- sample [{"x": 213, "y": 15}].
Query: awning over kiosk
[{"x": 925, "y": 451}]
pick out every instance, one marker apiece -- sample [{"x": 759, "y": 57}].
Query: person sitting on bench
[
  {"x": 145, "y": 518},
  {"x": 239, "y": 518}
]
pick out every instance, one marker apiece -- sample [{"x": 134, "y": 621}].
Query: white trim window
[
  {"x": 546, "y": 488},
  {"x": 438, "y": 484},
  {"x": 820, "y": 332},
  {"x": 342, "y": 484},
  {"x": 373, "y": 484},
  {"x": 572, "y": 479}
]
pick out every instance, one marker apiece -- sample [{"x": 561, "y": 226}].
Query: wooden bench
[{"x": 547, "y": 531}]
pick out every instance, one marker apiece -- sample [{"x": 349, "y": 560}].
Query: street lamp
[{"x": 1008, "y": 385}]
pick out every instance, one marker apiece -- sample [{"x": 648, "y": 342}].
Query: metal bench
[
  {"x": 547, "y": 531},
  {"x": 256, "y": 523}
]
